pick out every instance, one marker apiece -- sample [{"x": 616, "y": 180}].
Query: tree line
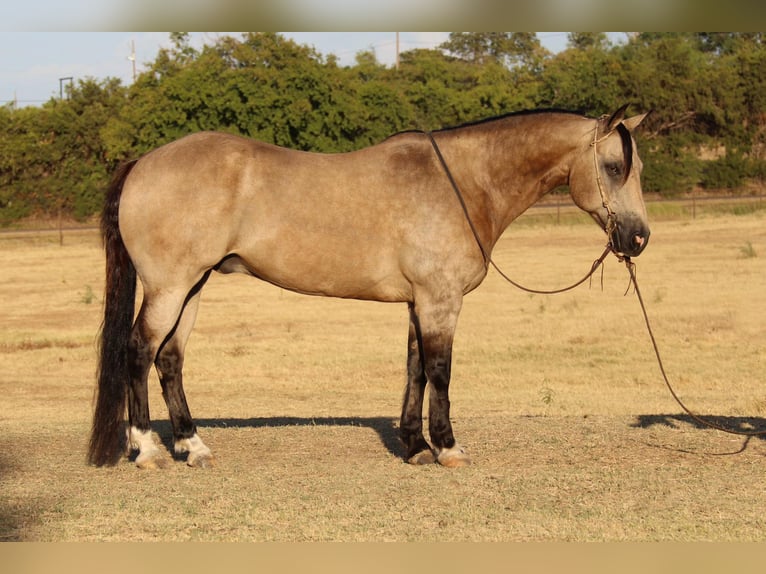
[{"x": 707, "y": 92}]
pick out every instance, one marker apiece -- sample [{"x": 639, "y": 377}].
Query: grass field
[{"x": 558, "y": 399}]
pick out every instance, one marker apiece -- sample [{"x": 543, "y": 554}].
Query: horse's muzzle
[{"x": 630, "y": 238}]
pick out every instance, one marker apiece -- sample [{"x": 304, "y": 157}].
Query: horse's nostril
[{"x": 639, "y": 240}]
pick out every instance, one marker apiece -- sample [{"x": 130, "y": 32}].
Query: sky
[{"x": 37, "y": 65}]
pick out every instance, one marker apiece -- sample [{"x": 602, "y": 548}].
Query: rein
[{"x": 610, "y": 225}]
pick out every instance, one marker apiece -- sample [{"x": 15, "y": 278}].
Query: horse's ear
[
  {"x": 632, "y": 123},
  {"x": 615, "y": 119}
]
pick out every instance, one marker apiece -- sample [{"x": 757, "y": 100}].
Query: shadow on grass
[
  {"x": 739, "y": 425},
  {"x": 385, "y": 427},
  {"x": 16, "y": 516}
]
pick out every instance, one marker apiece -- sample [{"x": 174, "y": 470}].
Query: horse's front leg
[
  {"x": 434, "y": 322},
  {"x": 418, "y": 451},
  {"x": 438, "y": 361}
]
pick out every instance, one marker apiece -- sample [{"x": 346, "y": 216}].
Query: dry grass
[{"x": 557, "y": 398}]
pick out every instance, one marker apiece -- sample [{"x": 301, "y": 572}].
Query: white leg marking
[
  {"x": 149, "y": 454},
  {"x": 199, "y": 453}
]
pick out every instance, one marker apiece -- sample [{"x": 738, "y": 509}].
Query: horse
[{"x": 412, "y": 219}]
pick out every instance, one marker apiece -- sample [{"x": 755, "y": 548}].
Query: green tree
[
  {"x": 588, "y": 40},
  {"x": 54, "y": 159},
  {"x": 585, "y": 79},
  {"x": 506, "y": 48}
]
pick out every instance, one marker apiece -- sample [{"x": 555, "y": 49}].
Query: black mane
[
  {"x": 473, "y": 123},
  {"x": 509, "y": 115}
]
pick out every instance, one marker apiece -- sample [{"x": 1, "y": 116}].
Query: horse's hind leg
[
  {"x": 140, "y": 355},
  {"x": 142, "y": 350},
  {"x": 156, "y": 320},
  {"x": 169, "y": 365}
]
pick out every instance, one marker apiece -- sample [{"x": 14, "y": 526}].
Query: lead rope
[
  {"x": 632, "y": 271},
  {"x": 596, "y": 264}
]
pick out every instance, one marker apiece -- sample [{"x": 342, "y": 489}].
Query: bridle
[{"x": 611, "y": 218}]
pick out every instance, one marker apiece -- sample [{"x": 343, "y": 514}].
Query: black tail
[{"x": 108, "y": 438}]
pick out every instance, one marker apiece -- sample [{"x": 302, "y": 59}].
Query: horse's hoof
[
  {"x": 422, "y": 457},
  {"x": 201, "y": 461},
  {"x": 199, "y": 455},
  {"x": 151, "y": 462},
  {"x": 454, "y": 457}
]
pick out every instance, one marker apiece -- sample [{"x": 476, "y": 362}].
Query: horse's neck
[{"x": 504, "y": 170}]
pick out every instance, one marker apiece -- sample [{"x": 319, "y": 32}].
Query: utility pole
[
  {"x": 61, "y": 86},
  {"x": 397, "y": 50},
  {"x": 132, "y": 58}
]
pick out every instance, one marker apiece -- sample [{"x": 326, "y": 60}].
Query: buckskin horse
[{"x": 412, "y": 219}]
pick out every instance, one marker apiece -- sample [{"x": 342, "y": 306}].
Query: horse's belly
[{"x": 327, "y": 273}]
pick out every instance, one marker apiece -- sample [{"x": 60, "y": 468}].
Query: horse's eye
[{"x": 613, "y": 169}]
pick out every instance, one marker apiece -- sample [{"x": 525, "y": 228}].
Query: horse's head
[{"x": 605, "y": 181}]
